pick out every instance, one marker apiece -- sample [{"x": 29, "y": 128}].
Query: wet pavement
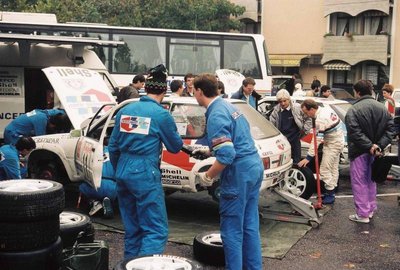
[{"x": 337, "y": 243}]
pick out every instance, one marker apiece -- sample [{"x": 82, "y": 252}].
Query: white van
[{"x": 24, "y": 86}]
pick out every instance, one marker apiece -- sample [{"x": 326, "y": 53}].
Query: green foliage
[{"x": 208, "y": 15}]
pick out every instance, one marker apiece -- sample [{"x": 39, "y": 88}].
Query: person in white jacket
[
  {"x": 298, "y": 91},
  {"x": 328, "y": 123}
]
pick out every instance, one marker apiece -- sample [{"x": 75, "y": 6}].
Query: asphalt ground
[{"x": 337, "y": 243}]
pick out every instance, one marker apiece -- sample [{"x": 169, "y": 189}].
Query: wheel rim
[
  {"x": 159, "y": 262},
  {"x": 25, "y": 185},
  {"x": 70, "y": 218},
  {"x": 213, "y": 239},
  {"x": 295, "y": 183}
]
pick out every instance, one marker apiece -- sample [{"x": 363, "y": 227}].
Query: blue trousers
[
  {"x": 142, "y": 206},
  {"x": 240, "y": 185},
  {"x": 108, "y": 188}
]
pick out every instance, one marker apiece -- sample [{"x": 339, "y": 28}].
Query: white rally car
[{"x": 78, "y": 155}]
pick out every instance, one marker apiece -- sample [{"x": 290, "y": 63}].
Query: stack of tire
[{"x": 30, "y": 224}]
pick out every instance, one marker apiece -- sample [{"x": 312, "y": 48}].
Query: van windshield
[{"x": 260, "y": 127}]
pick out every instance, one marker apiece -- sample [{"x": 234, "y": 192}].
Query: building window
[{"x": 345, "y": 24}]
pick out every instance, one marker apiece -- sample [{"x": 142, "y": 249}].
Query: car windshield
[
  {"x": 260, "y": 128},
  {"x": 341, "y": 109},
  {"x": 342, "y": 94},
  {"x": 396, "y": 96}
]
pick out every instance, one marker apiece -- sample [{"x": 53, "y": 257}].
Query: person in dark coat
[
  {"x": 247, "y": 93},
  {"x": 370, "y": 128}
]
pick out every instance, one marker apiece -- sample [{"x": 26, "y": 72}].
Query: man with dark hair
[
  {"x": 138, "y": 82},
  {"x": 241, "y": 169},
  {"x": 189, "y": 89},
  {"x": 316, "y": 84},
  {"x": 326, "y": 92},
  {"x": 370, "y": 129},
  {"x": 136, "y": 143},
  {"x": 36, "y": 123},
  {"x": 247, "y": 93},
  {"x": 10, "y": 166},
  {"x": 176, "y": 87},
  {"x": 328, "y": 123}
]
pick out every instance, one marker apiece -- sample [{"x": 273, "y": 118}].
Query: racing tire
[
  {"x": 50, "y": 170},
  {"x": 47, "y": 258},
  {"x": 30, "y": 199},
  {"x": 215, "y": 191},
  {"x": 208, "y": 248},
  {"x": 158, "y": 261},
  {"x": 75, "y": 227},
  {"x": 23, "y": 236},
  {"x": 300, "y": 182}
]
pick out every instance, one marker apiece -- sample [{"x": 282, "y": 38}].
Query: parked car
[
  {"x": 343, "y": 94},
  {"x": 340, "y": 107},
  {"x": 396, "y": 97},
  {"x": 78, "y": 155}
]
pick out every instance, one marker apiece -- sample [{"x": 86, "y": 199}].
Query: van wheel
[
  {"x": 75, "y": 227},
  {"x": 215, "y": 190},
  {"x": 30, "y": 199},
  {"x": 158, "y": 261},
  {"x": 208, "y": 248},
  {"x": 300, "y": 182}
]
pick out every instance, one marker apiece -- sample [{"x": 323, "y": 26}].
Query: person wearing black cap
[{"x": 135, "y": 148}]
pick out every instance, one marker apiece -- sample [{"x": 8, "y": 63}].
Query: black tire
[
  {"x": 75, "y": 227},
  {"x": 30, "y": 199},
  {"x": 215, "y": 190},
  {"x": 208, "y": 248},
  {"x": 158, "y": 260},
  {"x": 48, "y": 258},
  {"x": 51, "y": 170},
  {"x": 300, "y": 182},
  {"x": 34, "y": 234}
]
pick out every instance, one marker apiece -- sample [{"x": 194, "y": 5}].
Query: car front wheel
[{"x": 300, "y": 182}]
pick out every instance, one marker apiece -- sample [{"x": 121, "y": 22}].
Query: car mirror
[{"x": 75, "y": 133}]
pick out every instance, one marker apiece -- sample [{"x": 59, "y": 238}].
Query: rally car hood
[
  {"x": 80, "y": 91},
  {"x": 232, "y": 80}
]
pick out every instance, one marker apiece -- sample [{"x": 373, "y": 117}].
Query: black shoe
[{"x": 108, "y": 211}]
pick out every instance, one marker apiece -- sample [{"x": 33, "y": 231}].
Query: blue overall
[
  {"x": 108, "y": 187},
  {"x": 9, "y": 163},
  {"x": 32, "y": 123},
  {"x": 229, "y": 137},
  {"x": 135, "y": 147}
]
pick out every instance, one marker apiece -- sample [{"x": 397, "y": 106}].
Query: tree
[{"x": 208, "y": 15}]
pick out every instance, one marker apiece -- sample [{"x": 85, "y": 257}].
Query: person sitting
[
  {"x": 10, "y": 165},
  {"x": 37, "y": 123}
]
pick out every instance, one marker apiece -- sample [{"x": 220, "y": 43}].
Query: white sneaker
[
  {"x": 356, "y": 218},
  {"x": 371, "y": 215},
  {"x": 97, "y": 206}
]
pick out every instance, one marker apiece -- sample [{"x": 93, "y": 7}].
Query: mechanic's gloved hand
[
  {"x": 204, "y": 179},
  {"x": 200, "y": 154}
]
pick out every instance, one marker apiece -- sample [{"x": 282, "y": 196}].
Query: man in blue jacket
[
  {"x": 36, "y": 123},
  {"x": 241, "y": 169},
  {"x": 10, "y": 166},
  {"x": 247, "y": 93},
  {"x": 135, "y": 148}
]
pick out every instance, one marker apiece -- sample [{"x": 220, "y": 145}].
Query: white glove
[{"x": 204, "y": 179}]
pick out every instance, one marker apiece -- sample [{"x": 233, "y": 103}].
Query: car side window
[{"x": 190, "y": 120}]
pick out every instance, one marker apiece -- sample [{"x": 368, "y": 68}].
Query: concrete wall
[{"x": 294, "y": 26}]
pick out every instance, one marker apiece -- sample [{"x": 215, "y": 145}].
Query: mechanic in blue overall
[
  {"x": 106, "y": 194},
  {"x": 241, "y": 173},
  {"x": 10, "y": 165},
  {"x": 136, "y": 143},
  {"x": 36, "y": 123}
]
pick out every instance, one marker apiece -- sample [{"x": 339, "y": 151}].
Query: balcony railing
[{"x": 356, "y": 48}]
